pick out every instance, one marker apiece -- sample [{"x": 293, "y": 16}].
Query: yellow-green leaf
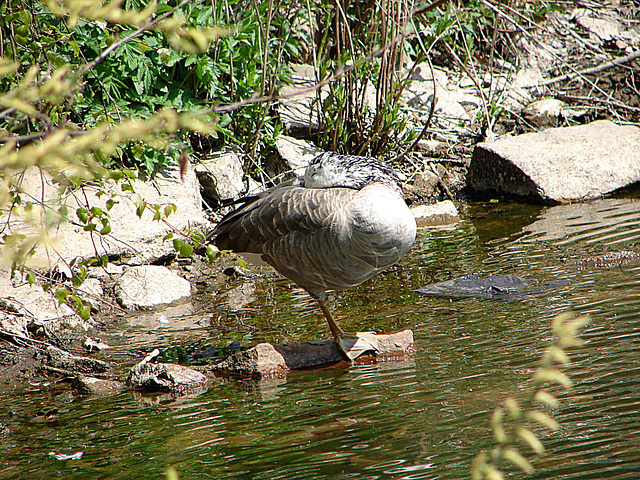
[
  {"x": 515, "y": 457},
  {"x": 530, "y": 439},
  {"x": 543, "y": 419}
]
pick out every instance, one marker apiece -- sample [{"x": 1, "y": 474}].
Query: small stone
[
  {"x": 544, "y": 112},
  {"x": 221, "y": 177},
  {"x": 437, "y": 214}
]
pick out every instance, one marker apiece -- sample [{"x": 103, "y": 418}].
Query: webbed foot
[{"x": 355, "y": 344}]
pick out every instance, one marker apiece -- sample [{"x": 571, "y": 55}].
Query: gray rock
[
  {"x": 263, "y": 360},
  {"x": 22, "y": 305},
  {"x": 221, "y": 177},
  {"x": 135, "y": 240},
  {"x": 149, "y": 286},
  {"x": 164, "y": 376},
  {"x": 437, "y": 214},
  {"x": 64, "y": 361},
  {"x": 296, "y": 153},
  {"x": 14, "y": 324},
  {"x": 30, "y": 301},
  {"x": 266, "y": 360},
  {"x": 425, "y": 185},
  {"x": 295, "y": 108},
  {"x": 96, "y": 386},
  {"x": 559, "y": 165}
]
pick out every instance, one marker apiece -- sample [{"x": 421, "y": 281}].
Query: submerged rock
[
  {"x": 96, "y": 386},
  {"x": 559, "y": 165},
  {"x": 66, "y": 362},
  {"x": 492, "y": 286}
]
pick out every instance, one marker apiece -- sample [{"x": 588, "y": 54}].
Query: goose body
[{"x": 340, "y": 224}]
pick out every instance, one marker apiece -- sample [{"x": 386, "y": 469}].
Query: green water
[{"x": 419, "y": 419}]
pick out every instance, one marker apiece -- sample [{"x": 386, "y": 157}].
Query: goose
[{"x": 342, "y": 222}]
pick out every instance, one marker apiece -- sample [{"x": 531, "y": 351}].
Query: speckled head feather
[{"x": 349, "y": 171}]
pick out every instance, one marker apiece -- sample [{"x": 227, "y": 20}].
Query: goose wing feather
[{"x": 303, "y": 233}]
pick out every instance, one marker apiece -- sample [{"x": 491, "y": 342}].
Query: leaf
[
  {"x": 544, "y": 397},
  {"x": 61, "y": 294},
  {"x": 492, "y": 473},
  {"x": 211, "y": 253},
  {"x": 555, "y": 354},
  {"x": 512, "y": 407},
  {"x": 85, "y": 312},
  {"x": 169, "y": 209},
  {"x": 140, "y": 208},
  {"x": 186, "y": 250},
  {"x": 82, "y": 214},
  {"x": 530, "y": 439},
  {"x": 497, "y": 427},
  {"x": 543, "y": 419},
  {"x": 552, "y": 375},
  {"x": 478, "y": 465},
  {"x": 516, "y": 458}
]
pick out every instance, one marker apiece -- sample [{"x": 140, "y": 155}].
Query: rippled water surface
[{"x": 419, "y": 419}]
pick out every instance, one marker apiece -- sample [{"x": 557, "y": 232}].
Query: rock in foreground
[
  {"x": 266, "y": 360},
  {"x": 559, "y": 165},
  {"x": 153, "y": 377}
]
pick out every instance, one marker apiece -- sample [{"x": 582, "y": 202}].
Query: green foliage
[
  {"x": 158, "y": 69},
  {"x": 512, "y": 423},
  {"x": 359, "y": 114}
]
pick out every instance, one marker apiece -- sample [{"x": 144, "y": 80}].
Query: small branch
[
  {"x": 432, "y": 110},
  {"x": 142, "y": 29},
  {"x": 604, "y": 66}
]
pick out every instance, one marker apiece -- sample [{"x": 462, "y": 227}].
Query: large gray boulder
[{"x": 559, "y": 165}]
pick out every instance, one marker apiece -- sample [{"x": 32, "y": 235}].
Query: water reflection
[{"x": 419, "y": 419}]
